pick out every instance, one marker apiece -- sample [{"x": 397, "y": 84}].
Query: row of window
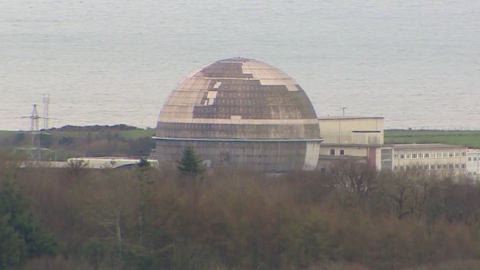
[
  {"x": 341, "y": 152},
  {"x": 430, "y": 167},
  {"x": 474, "y": 159},
  {"x": 430, "y": 155}
]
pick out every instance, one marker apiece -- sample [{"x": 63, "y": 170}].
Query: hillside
[{"x": 73, "y": 141}]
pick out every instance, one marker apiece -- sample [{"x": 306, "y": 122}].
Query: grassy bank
[{"x": 470, "y": 138}]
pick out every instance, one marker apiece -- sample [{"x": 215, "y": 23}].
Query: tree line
[{"x": 174, "y": 217}]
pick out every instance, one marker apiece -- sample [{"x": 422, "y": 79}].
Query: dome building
[{"x": 240, "y": 112}]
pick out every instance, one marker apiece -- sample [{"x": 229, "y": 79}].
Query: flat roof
[
  {"x": 361, "y": 145},
  {"x": 473, "y": 150},
  {"x": 426, "y": 146},
  {"x": 348, "y": 117},
  {"x": 327, "y": 157}
]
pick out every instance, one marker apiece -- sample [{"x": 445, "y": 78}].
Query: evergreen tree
[
  {"x": 190, "y": 164},
  {"x": 144, "y": 163},
  {"x": 21, "y": 236},
  {"x": 12, "y": 248}
]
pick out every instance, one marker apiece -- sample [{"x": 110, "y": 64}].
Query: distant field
[{"x": 470, "y": 138}]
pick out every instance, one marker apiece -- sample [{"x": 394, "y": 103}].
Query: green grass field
[{"x": 470, "y": 138}]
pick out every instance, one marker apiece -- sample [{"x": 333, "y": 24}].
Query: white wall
[
  {"x": 352, "y": 130},
  {"x": 473, "y": 163}
]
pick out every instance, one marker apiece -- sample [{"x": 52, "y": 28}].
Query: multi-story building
[
  {"x": 439, "y": 157},
  {"x": 362, "y": 138},
  {"x": 473, "y": 162}
]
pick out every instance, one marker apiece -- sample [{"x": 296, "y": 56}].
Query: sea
[{"x": 416, "y": 63}]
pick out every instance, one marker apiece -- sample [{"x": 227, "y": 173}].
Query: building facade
[
  {"x": 350, "y": 137},
  {"x": 438, "y": 157},
  {"x": 362, "y": 138},
  {"x": 473, "y": 163},
  {"x": 351, "y": 130}
]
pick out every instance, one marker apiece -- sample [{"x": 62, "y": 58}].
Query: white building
[
  {"x": 473, "y": 162},
  {"x": 362, "y": 138},
  {"x": 434, "y": 156}
]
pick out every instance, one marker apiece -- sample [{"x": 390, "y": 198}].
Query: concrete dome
[{"x": 240, "y": 104}]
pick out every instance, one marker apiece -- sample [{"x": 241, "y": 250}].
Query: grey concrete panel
[
  {"x": 232, "y": 131},
  {"x": 270, "y": 157}
]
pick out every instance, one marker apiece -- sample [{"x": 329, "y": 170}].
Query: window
[
  {"x": 464, "y": 166},
  {"x": 432, "y": 167},
  {"x": 420, "y": 155},
  {"x": 402, "y": 156},
  {"x": 469, "y": 159},
  {"x": 474, "y": 159},
  {"x": 342, "y": 152},
  {"x": 450, "y": 154},
  {"x": 395, "y": 156},
  {"x": 445, "y": 154},
  {"x": 408, "y": 156},
  {"x": 457, "y": 166},
  {"x": 439, "y": 166},
  {"x": 332, "y": 152},
  {"x": 322, "y": 169},
  {"x": 408, "y": 168},
  {"x": 457, "y": 154},
  {"x": 395, "y": 168},
  {"x": 426, "y": 155},
  {"x": 444, "y": 166},
  {"x": 425, "y": 167},
  {"x": 402, "y": 168},
  {"x": 450, "y": 166},
  {"x": 464, "y": 154},
  {"x": 414, "y": 155}
]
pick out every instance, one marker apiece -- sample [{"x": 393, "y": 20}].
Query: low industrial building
[
  {"x": 362, "y": 139},
  {"x": 349, "y": 137}
]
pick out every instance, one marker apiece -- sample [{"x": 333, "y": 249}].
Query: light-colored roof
[
  {"x": 322, "y": 118},
  {"x": 427, "y": 146}
]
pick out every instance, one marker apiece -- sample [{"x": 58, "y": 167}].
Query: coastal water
[{"x": 417, "y": 63}]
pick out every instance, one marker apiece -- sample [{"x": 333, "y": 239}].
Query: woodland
[{"x": 175, "y": 217}]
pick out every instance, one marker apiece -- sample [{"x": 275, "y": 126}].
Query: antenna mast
[{"x": 35, "y": 151}]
